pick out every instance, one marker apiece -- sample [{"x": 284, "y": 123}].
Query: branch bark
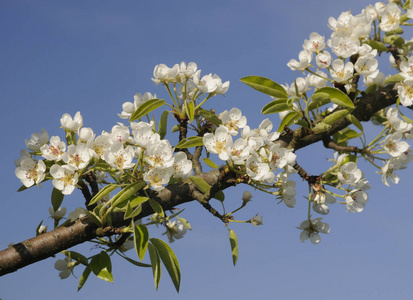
[{"x": 45, "y": 245}]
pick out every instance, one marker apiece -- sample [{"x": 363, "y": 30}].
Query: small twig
[
  {"x": 329, "y": 143},
  {"x": 196, "y": 164},
  {"x": 85, "y": 191}
]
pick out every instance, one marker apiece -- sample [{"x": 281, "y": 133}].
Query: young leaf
[
  {"x": 156, "y": 264},
  {"x": 128, "y": 192},
  {"x": 336, "y": 116},
  {"x": 288, "y": 120},
  {"x": 184, "y": 222},
  {"x": 219, "y": 196},
  {"x": 84, "y": 277},
  {"x": 140, "y": 239},
  {"x": 276, "y": 106},
  {"x": 379, "y": 46},
  {"x": 146, "y": 108},
  {"x": 190, "y": 110},
  {"x": 103, "y": 192},
  {"x": 192, "y": 141},
  {"x": 318, "y": 99},
  {"x": 337, "y": 96},
  {"x": 211, "y": 117},
  {"x": 394, "y": 79},
  {"x": 156, "y": 207},
  {"x": 169, "y": 260},
  {"x": 210, "y": 163},
  {"x": 163, "y": 124},
  {"x": 201, "y": 184},
  {"x": 76, "y": 256},
  {"x": 234, "y": 245},
  {"x": 101, "y": 266},
  {"x": 130, "y": 212},
  {"x": 265, "y": 85},
  {"x": 57, "y": 199},
  {"x": 136, "y": 263},
  {"x": 355, "y": 121}
]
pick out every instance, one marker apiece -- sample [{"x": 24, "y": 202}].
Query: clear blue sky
[{"x": 91, "y": 56}]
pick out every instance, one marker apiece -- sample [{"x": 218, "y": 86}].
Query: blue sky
[{"x": 91, "y": 56}]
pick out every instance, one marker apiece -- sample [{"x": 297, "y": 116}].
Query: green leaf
[
  {"x": 276, "y": 106},
  {"x": 234, "y": 245},
  {"x": 140, "y": 239},
  {"x": 76, "y": 256},
  {"x": 184, "y": 222},
  {"x": 84, "y": 277},
  {"x": 288, "y": 120},
  {"x": 169, "y": 260},
  {"x": 354, "y": 121},
  {"x": 94, "y": 217},
  {"x": 337, "y": 96},
  {"x": 163, "y": 124},
  {"x": 101, "y": 266},
  {"x": 265, "y": 85},
  {"x": 130, "y": 212},
  {"x": 134, "y": 262},
  {"x": 175, "y": 128},
  {"x": 321, "y": 127},
  {"x": 211, "y": 117},
  {"x": 192, "y": 141},
  {"x": 219, "y": 196},
  {"x": 103, "y": 192},
  {"x": 336, "y": 116},
  {"x": 190, "y": 110},
  {"x": 156, "y": 264},
  {"x": 394, "y": 39},
  {"x": 210, "y": 163},
  {"x": 347, "y": 135},
  {"x": 127, "y": 192},
  {"x": 57, "y": 199},
  {"x": 137, "y": 201},
  {"x": 146, "y": 108},
  {"x": 394, "y": 79},
  {"x": 156, "y": 207},
  {"x": 201, "y": 184},
  {"x": 318, "y": 99},
  {"x": 379, "y": 46}
]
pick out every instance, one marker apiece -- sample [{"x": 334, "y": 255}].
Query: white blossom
[
  {"x": 71, "y": 124},
  {"x": 30, "y": 172},
  {"x": 37, "y": 140},
  {"x": 65, "y": 178}
]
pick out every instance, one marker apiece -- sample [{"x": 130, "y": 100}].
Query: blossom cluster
[
  {"x": 256, "y": 149},
  {"x": 123, "y": 148}
]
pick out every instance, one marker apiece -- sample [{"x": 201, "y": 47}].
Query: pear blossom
[
  {"x": 265, "y": 131},
  {"x": 319, "y": 80},
  {"x": 58, "y": 214},
  {"x": 390, "y": 17},
  {"x": 315, "y": 43},
  {"x": 206, "y": 84},
  {"x": 397, "y": 124},
  {"x": 78, "y": 213},
  {"x": 30, "y": 172},
  {"x": 344, "y": 46},
  {"x": 54, "y": 150},
  {"x": 394, "y": 146},
  {"x": 23, "y": 154},
  {"x": 221, "y": 88},
  {"x": 256, "y": 221},
  {"x": 71, "y": 124},
  {"x": 311, "y": 230},
  {"x": 246, "y": 197},
  {"x": 406, "y": 67},
  {"x": 219, "y": 143},
  {"x": 405, "y": 91},
  {"x": 182, "y": 165},
  {"x": 388, "y": 173},
  {"x": 143, "y": 134},
  {"x": 120, "y": 133},
  {"x": 42, "y": 229},
  {"x": 158, "y": 177},
  {"x": 258, "y": 170},
  {"x": 287, "y": 192},
  {"x": 159, "y": 155},
  {"x": 305, "y": 57},
  {"x": 37, "y": 140},
  {"x": 86, "y": 134},
  {"x": 187, "y": 70},
  {"x": 239, "y": 151},
  {"x": 160, "y": 73},
  {"x": 119, "y": 157},
  {"x": 280, "y": 156},
  {"x": 356, "y": 200},
  {"x": 101, "y": 144},
  {"x": 341, "y": 72},
  {"x": 349, "y": 173},
  {"x": 233, "y": 120},
  {"x": 341, "y": 25},
  {"x": 65, "y": 266},
  {"x": 65, "y": 178},
  {"x": 323, "y": 59},
  {"x": 128, "y": 108},
  {"x": 175, "y": 230},
  {"x": 77, "y": 156},
  {"x": 376, "y": 78},
  {"x": 366, "y": 66}
]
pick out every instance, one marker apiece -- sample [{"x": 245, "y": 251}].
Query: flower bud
[{"x": 246, "y": 197}]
